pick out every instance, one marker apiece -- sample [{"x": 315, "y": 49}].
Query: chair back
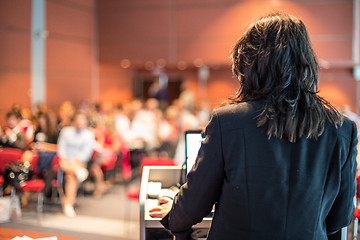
[
  {"x": 8, "y": 156},
  {"x": 156, "y": 161},
  {"x": 111, "y": 161}
]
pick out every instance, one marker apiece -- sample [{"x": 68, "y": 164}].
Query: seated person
[
  {"x": 45, "y": 140},
  {"x": 26, "y": 123},
  {"x": 12, "y": 136},
  {"x": 106, "y": 148},
  {"x": 75, "y": 147}
]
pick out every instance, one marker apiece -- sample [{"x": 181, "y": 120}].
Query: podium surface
[{"x": 168, "y": 176}]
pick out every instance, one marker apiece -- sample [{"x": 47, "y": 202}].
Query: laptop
[{"x": 193, "y": 139}]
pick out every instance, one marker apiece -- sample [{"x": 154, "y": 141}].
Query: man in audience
[
  {"x": 75, "y": 147},
  {"x": 12, "y": 136}
]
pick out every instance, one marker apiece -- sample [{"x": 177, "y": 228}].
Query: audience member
[
  {"x": 65, "y": 114},
  {"x": 187, "y": 121},
  {"x": 203, "y": 114},
  {"x": 187, "y": 96},
  {"x": 121, "y": 117},
  {"x": 131, "y": 127},
  {"x": 107, "y": 147},
  {"x": 12, "y": 136},
  {"x": 168, "y": 132},
  {"x": 26, "y": 124},
  {"x": 45, "y": 143},
  {"x": 75, "y": 147},
  {"x": 122, "y": 123},
  {"x": 136, "y": 135},
  {"x": 158, "y": 90}
]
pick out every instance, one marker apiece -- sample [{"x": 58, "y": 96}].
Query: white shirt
[{"x": 76, "y": 145}]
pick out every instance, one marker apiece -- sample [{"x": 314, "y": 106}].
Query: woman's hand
[{"x": 163, "y": 209}]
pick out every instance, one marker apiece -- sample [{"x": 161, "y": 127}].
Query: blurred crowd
[{"x": 83, "y": 139}]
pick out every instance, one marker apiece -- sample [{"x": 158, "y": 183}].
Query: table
[{"x": 9, "y": 233}]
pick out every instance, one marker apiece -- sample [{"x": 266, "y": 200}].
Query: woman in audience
[
  {"x": 65, "y": 115},
  {"x": 26, "y": 122},
  {"x": 168, "y": 132},
  {"x": 45, "y": 143},
  {"x": 107, "y": 148}
]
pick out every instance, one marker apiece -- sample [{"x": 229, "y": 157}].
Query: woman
[
  {"x": 107, "y": 148},
  {"x": 279, "y": 161},
  {"x": 45, "y": 143},
  {"x": 46, "y": 134}
]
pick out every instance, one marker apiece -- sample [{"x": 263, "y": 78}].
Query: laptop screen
[{"x": 193, "y": 139}]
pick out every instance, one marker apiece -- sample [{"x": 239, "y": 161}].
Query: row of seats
[{"x": 11, "y": 155}]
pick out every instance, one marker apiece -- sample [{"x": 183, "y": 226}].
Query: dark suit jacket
[{"x": 267, "y": 188}]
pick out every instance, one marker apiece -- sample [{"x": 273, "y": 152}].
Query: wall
[
  {"x": 115, "y": 83},
  {"x": 95, "y": 49},
  {"x": 71, "y": 52},
  {"x": 15, "y": 54},
  {"x": 146, "y": 32},
  {"x": 71, "y": 65}
]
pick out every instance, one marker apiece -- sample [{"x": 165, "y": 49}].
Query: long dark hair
[
  {"x": 275, "y": 63},
  {"x": 50, "y": 124}
]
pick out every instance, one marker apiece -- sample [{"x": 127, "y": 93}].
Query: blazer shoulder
[
  {"x": 348, "y": 128},
  {"x": 237, "y": 109},
  {"x": 238, "y": 115}
]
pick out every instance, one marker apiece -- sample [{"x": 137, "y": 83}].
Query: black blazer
[{"x": 267, "y": 188}]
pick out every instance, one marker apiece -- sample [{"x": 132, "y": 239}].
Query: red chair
[
  {"x": 149, "y": 161},
  {"x": 110, "y": 164},
  {"x": 9, "y": 156},
  {"x": 14, "y": 155},
  {"x": 1, "y": 184},
  {"x": 57, "y": 184},
  {"x": 156, "y": 161},
  {"x": 356, "y": 215},
  {"x": 36, "y": 185},
  {"x": 125, "y": 163}
]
